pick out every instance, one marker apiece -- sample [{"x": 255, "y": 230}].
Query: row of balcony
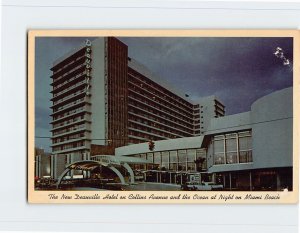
[
  {"x": 59, "y": 74},
  {"x": 156, "y": 111},
  {"x": 158, "y": 125},
  {"x": 71, "y": 121},
  {"x": 158, "y": 129},
  {"x": 82, "y": 84},
  {"x": 179, "y": 101},
  {"x": 84, "y": 100},
  {"x": 71, "y": 130},
  {"x": 159, "y": 104},
  {"x": 145, "y": 117},
  {"x": 71, "y": 140},
  {"x": 144, "y": 134},
  {"x": 140, "y": 90},
  {"x": 71, "y": 114},
  {"x": 156, "y": 117},
  {"x": 75, "y": 95},
  {"x": 73, "y": 80}
]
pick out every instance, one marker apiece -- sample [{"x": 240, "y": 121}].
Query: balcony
[
  {"x": 63, "y": 72},
  {"x": 73, "y": 88},
  {"x": 78, "y": 129},
  {"x": 71, "y": 105},
  {"x": 188, "y": 115},
  {"x": 62, "y": 101},
  {"x": 72, "y": 122},
  {"x": 161, "y": 111},
  {"x": 72, "y": 113},
  {"x": 69, "y": 141},
  {"x": 147, "y": 133},
  {"x": 184, "y": 133},
  {"x": 175, "y": 103},
  {"x": 179, "y": 100},
  {"x": 69, "y": 82},
  {"x": 158, "y": 116}
]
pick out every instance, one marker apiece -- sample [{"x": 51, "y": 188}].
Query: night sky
[{"x": 237, "y": 70}]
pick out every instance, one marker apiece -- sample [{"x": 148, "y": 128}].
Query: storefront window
[
  {"x": 182, "y": 156},
  {"x": 173, "y": 157},
  {"x": 157, "y": 158},
  {"x": 231, "y": 157},
  {"x": 191, "y": 155},
  {"x": 150, "y": 157},
  {"x": 201, "y": 156},
  {"x": 191, "y": 166},
  {"x": 231, "y": 148},
  {"x": 219, "y": 159},
  {"x": 182, "y": 159},
  {"x": 245, "y": 156},
  {"x": 219, "y": 156},
  {"x": 245, "y": 147},
  {"x": 173, "y": 166},
  {"x": 165, "y": 159}
]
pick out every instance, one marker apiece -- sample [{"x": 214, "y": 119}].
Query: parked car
[{"x": 204, "y": 186}]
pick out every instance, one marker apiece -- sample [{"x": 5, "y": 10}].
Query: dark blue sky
[{"x": 237, "y": 70}]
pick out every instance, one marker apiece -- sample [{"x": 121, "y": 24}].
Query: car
[{"x": 203, "y": 186}]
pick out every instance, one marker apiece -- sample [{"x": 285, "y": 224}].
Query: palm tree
[{"x": 199, "y": 162}]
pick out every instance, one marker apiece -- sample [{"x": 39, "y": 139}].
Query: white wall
[
  {"x": 272, "y": 130},
  {"x": 98, "y": 92},
  {"x": 163, "y": 145}
]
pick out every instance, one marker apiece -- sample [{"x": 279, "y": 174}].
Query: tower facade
[{"x": 102, "y": 99}]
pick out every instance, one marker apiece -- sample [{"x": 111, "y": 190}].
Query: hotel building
[
  {"x": 102, "y": 99},
  {"x": 246, "y": 151}
]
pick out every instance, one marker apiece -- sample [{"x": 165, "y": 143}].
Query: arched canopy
[
  {"x": 89, "y": 165},
  {"x": 86, "y": 165}
]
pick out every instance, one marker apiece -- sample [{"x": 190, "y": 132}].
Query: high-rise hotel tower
[{"x": 102, "y": 99}]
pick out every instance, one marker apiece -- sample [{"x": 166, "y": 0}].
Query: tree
[{"x": 199, "y": 162}]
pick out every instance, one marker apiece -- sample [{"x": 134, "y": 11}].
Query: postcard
[{"x": 163, "y": 116}]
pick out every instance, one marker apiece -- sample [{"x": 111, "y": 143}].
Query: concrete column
[
  {"x": 250, "y": 180},
  {"x": 88, "y": 157},
  {"x": 54, "y": 166}
]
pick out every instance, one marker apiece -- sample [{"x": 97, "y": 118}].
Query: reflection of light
[{"x": 48, "y": 169}]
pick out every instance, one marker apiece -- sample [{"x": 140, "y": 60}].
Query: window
[
  {"x": 219, "y": 156},
  {"x": 182, "y": 159},
  {"x": 231, "y": 148},
  {"x": 191, "y": 157},
  {"x": 245, "y": 147},
  {"x": 165, "y": 159},
  {"x": 150, "y": 157},
  {"x": 173, "y": 157},
  {"x": 157, "y": 158}
]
